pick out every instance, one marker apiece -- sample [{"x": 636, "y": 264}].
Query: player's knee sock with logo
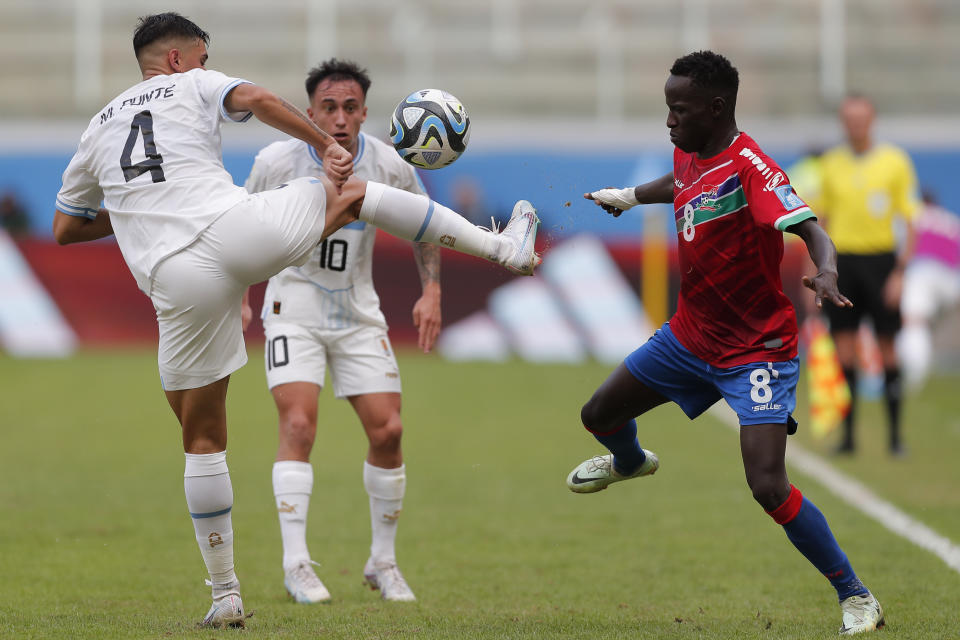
[
  {"x": 851, "y": 376},
  {"x": 385, "y": 488},
  {"x": 622, "y": 443},
  {"x": 418, "y": 218},
  {"x": 809, "y": 532},
  {"x": 892, "y": 392},
  {"x": 206, "y": 483},
  {"x": 292, "y": 485}
]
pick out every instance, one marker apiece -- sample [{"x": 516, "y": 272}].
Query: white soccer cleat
[
  {"x": 303, "y": 584},
  {"x": 225, "y": 612},
  {"x": 520, "y": 234},
  {"x": 597, "y": 473},
  {"x": 860, "y": 614},
  {"x": 389, "y": 581}
]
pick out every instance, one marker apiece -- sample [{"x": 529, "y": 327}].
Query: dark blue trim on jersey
[
  {"x": 426, "y": 222},
  {"x": 361, "y": 145},
  {"x": 77, "y": 212},
  {"x": 223, "y": 96},
  {"x": 211, "y": 514}
]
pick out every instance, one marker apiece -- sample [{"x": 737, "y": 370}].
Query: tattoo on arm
[
  {"x": 428, "y": 262},
  {"x": 310, "y": 123}
]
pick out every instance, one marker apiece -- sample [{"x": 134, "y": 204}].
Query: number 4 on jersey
[{"x": 142, "y": 123}]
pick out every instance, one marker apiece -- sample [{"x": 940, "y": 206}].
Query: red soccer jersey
[{"x": 731, "y": 211}]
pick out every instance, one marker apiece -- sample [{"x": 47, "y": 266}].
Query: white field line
[{"x": 858, "y": 496}]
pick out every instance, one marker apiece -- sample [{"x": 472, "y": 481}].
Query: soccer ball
[{"x": 430, "y": 128}]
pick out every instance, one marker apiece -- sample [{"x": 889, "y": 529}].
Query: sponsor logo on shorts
[
  {"x": 767, "y": 406},
  {"x": 214, "y": 538},
  {"x": 448, "y": 240},
  {"x": 391, "y": 374},
  {"x": 276, "y": 307}
]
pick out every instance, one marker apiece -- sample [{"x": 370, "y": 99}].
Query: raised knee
[{"x": 593, "y": 416}]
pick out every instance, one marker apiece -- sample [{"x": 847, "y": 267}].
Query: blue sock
[
  {"x": 811, "y": 535},
  {"x": 623, "y": 444}
]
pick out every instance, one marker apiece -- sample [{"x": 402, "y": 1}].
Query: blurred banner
[{"x": 30, "y": 323}]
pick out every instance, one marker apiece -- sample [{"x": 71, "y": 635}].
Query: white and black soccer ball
[{"x": 430, "y": 128}]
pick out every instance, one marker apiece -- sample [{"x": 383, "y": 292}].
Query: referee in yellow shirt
[{"x": 865, "y": 186}]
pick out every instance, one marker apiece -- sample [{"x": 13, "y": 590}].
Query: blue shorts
[{"x": 759, "y": 392}]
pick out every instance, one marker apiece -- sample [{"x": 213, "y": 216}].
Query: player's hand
[
  {"x": 246, "y": 311},
  {"x": 893, "y": 289},
  {"x": 337, "y": 164},
  {"x": 824, "y": 285},
  {"x": 426, "y": 317},
  {"x": 614, "y": 201}
]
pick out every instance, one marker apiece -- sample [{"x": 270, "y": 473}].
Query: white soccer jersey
[
  {"x": 334, "y": 289},
  {"x": 153, "y": 156}
]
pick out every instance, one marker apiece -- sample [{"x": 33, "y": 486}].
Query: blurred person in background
[
  {"x": 931, "y": 286},
  {"x": 13, "y": 215},
  {"x": 866, "y": 187},
  {"x": 467, "y": 198},
  {"x": 327, "y": 313}
]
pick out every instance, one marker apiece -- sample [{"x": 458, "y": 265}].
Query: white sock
[
  {"x": 420, "y": 219},
  {"x": 292, "y": 484},
  {"x": 385, "y": 488},
  {"x": 206, "y": 483}
]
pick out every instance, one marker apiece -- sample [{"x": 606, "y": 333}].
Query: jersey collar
[{"x": 361, "y": 145}]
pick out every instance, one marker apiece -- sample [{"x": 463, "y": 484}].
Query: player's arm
[
  {"x": 616, "y": 201},
  {"x": 273, "y": 110},
  {"x": 68, "y": 229},
  {"x": 426, "y": 311},
  {"x": 824, "y": 255}
]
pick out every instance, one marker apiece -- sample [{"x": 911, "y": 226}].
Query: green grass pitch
[{"x": 95, "y": 540}]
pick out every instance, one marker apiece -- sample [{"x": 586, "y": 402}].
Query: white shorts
[
  {"x": 361, "y": 359},
  {"x": 928, "y": 287},
  {"x": 197, "y": 291}
]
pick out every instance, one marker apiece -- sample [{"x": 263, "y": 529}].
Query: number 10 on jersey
[{"x": 333, "y": 254}]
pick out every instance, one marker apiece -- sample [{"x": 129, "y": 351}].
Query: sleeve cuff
[
  {"x": 73, "y": 210},
  {"x": 241, "y": 116},
  {"x": 792, "y": 218}
]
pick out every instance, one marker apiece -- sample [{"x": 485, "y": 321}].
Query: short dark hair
[
  {"x": 709, "y": 70},
  {"x": 334, "y": 69},
  {"x": 165, "y": 25}
]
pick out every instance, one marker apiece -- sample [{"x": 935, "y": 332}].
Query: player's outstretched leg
[
  {"x": 386, "y": 488},
  {"x": 417, "y": 218},
  {"x": 626, "y": 460},
  {"x": 292, "y": 486},
  {"x": 609, "y": 417},
  {"x": 206, "y": 482}
]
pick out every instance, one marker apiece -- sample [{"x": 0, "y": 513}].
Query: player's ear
[
  {"x": 718, "y": 105},
  {"x": 363, "y": 118},
  {"x": 174, "y": 59}
]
